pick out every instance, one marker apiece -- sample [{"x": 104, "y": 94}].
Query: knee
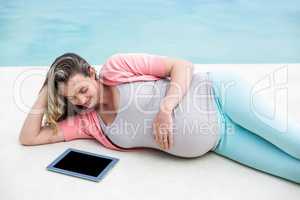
[
  {"x": 296, "y": 154},
  {"x": 293, "y": 149}
]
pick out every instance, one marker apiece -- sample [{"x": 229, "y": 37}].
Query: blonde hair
[{"x": 61, "y": 70}]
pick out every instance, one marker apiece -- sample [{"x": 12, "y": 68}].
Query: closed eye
[{"x": 83, "y": 90}]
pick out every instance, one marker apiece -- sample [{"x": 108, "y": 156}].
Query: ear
[{"x": 92, "y": 72}]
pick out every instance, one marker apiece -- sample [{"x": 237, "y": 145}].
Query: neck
[{"x": 106, "y": 100}]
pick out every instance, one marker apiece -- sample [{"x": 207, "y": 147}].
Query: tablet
[{"x": 83, "y": 164}]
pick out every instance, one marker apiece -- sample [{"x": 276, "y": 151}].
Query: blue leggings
[{"x": 268, "y": 144}]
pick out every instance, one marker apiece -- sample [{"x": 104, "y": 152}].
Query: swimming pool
[{"x": 203, "y": 31}]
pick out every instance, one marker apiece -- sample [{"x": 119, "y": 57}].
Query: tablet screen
[{"x": 82, "y": 164}]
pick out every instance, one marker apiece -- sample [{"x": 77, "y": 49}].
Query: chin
[{"x": 91, "y": 106}]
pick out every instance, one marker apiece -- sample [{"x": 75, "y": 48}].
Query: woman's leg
[
  {"x": 247, "y": 148},
  {"x": 239, "y": 101}
]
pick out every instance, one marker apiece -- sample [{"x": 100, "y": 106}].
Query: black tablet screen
[{"x": 83, "y": 163}]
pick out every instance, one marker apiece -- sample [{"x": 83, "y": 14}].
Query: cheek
[{"x": 93, "y": 92}]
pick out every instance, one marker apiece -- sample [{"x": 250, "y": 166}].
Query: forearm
[
  {"x": 33, "y": 121},
  {"x": 181, "y": 76}
]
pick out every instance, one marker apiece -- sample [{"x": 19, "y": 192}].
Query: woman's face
[{"x": 81, "y": 90}]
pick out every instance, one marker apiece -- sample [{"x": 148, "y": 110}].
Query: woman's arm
[
  {"x": 32, "y": 133},
  {"x": 181, "y": 72},
  {"x": 128, "y": 67}
]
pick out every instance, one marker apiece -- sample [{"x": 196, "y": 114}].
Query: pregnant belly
[
  {"x": 193, "y": 135},
  {"x": 195, "y": 122},
  {"x": 192, "y": 138}
]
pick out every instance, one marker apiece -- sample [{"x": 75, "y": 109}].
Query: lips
[{"x": 87, "y": 103}]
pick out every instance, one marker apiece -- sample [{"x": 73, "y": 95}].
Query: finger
[
  {"x": 166, "y": 141},
  {"x": 160, "y": 138},
  {"x": 155, "y": 133},
  {"x": 157, "y": 136},
  {"x": 168, "y": 137},
  {"x": 171, "y": 139}
]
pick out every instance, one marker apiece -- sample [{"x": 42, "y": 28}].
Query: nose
[{"x": 82, "y": 99}]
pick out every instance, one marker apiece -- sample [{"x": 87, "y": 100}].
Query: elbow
[
  {"x": 187, "y": 64},
  {"x": 25, "y": 141},
  {"x": 190, "y": 66}
]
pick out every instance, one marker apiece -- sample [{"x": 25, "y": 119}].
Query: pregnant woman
[{"x": 142, "y": 101}]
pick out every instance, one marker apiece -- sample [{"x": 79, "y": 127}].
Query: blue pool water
[{"x": 202, "y": 31}]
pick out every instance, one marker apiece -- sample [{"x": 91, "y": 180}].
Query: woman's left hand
[{"x": 163, "y": 129}]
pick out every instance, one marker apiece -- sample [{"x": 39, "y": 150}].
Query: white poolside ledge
[{"x": 139, "y": 175}]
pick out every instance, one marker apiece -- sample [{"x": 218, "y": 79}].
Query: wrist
[{"x": 166, "y": 106}]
